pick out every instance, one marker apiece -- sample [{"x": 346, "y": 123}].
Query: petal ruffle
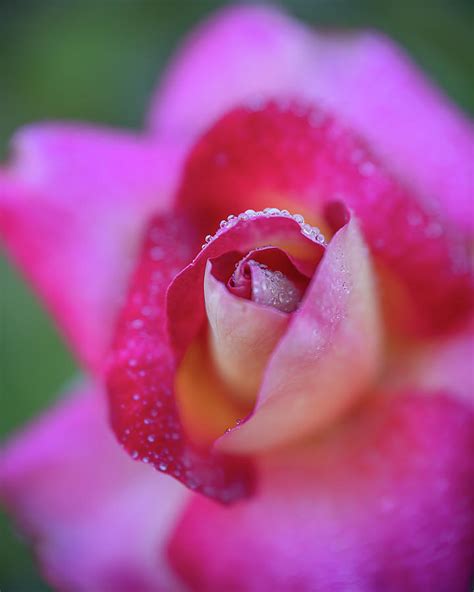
[
  {"x": 73, "y": 204},
  {"x": 98, "y": 520},
  {"x": 249, "y": 54},
  {"x": 327, "y": 359},
  {"x": 386, "y": 502}
]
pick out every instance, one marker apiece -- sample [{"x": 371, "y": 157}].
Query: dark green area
[{"x": 98, "y": 61}]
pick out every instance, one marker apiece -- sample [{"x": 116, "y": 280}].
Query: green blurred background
[{"x": 98, "y": 61}]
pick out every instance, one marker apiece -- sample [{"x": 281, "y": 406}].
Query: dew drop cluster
[{"x": 311, "y": 232}]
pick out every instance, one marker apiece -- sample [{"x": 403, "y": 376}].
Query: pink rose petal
[
  {"x": 98, "y": 520},
  {"x": 439, "y": 365},
  {"x": 384, "y": 503},
  {"x": 253, "y": 53},
  {"x": 73, "y": 204}
]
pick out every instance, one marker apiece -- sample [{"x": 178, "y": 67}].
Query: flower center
[
  {"x": 257, "y": 282},
  {"x": 256, "y": 269}
]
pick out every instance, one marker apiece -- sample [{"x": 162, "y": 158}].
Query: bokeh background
[{"x": 98, "y": 60}]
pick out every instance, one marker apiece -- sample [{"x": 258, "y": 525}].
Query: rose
[{"x": 378, "y": 492}]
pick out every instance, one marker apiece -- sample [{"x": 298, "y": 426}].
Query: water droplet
[
  {"x": 316, "y": 118},
  {"x": 156, "y": 253},
  {"x": 151, "y": 438},
  {"x": 367, "y": 169},
  {"x": 311, "y": 232},
  {"x": 255, "y": 103},
  {"x": 221, "y": 159},
  {"x": 414, "y": 218},
  {"x": 434, "y": 230}
]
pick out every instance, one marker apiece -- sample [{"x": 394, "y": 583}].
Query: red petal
[
  {"x": 142, "y": 374},
  {"x": 302, "y": 159}
]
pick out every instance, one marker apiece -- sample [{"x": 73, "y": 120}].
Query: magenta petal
[
  {"x": 73, "y": 204},
  {"x": 386, "y": 503},
  {"x": 250, "y": 54},
  {"x": 306, "y": 160},
  {"x": 149, "y": 347},
  {"x": 143, "y": 370},
  {"x": 98, "y": 520}
]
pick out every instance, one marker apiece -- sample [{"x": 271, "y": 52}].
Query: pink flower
[{"x": 312, "y": 385}]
